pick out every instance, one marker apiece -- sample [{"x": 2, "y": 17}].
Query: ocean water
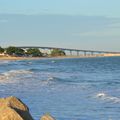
[{"x": 68, "y": 89}]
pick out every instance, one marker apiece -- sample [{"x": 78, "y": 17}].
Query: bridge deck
[{"x": 67, "y": 49}]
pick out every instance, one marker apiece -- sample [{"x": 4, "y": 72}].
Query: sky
[{"x": 81, "y": 24}]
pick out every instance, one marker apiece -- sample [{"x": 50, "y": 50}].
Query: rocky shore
[{"x": 12, "y": 108}]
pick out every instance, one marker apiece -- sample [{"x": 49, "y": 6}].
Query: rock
[
  {"x": 12, "y": 108},
  {"x": 47, "y": 117}
]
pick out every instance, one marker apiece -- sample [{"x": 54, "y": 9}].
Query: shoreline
[{"x": 57, "y": 57}]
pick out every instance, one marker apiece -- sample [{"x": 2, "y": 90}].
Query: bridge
[{"x": 78, "y": 51}]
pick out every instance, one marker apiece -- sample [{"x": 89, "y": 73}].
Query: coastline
[
  {"x": 56, "y": 57},
  {"x": 17, "y": 58}
]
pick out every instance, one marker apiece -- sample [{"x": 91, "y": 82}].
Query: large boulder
[
  {"x": 47, "y": 117},
  {"x": 12, "y": 108}
]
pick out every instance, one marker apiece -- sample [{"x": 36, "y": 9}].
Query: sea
[{"x": 68, "y": 89}]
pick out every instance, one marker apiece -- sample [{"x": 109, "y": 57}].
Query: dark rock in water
[
  {"x": 12, "y": 108},
  {"x": 47, "y": 117}
]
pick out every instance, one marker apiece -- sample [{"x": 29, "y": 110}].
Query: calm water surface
[{"x": 69, "y": 89}]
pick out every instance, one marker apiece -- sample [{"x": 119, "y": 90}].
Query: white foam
[
  {"x": 108, "y": 98},
  {"x": 53, "y": 61},
  {"x": 50, "y": 78},
  {"x": 11, "y": 74},
  {"x": 48, "y": 81},
  {"x": 19, "y": 71},
  {"x": 101, "y": 95},
  {"x": 4, "y": 62},
  {"x": 29, "y": 63}
]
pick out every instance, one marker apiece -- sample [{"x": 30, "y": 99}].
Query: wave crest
[
  {"x": 108, "y": 98},
  {"x": 4, "y": 62},
  {"x": 52, "y": 81},
  {"x": 12, "y": 73}
]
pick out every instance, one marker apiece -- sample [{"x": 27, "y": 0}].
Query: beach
[{"x": 62, "y": 57}]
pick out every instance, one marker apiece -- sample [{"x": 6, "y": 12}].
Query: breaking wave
[
  {"x": 59, "y": 80},
  {"x": 4, "y": 62},
  {"x": 108, "y": 98},
  {"x": 53, "y": 81},
  {"x": 12, "y": 73}
]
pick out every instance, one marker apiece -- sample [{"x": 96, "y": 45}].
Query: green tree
[
  {"x": 34, "y": 52},
  {"x": 1, "y": 50},
  {"x": 19, "y": 52},
  {"x": 57, "y": 52},
  {"x": 15, "y": 51},
  {"x": 10, "y": 50}
]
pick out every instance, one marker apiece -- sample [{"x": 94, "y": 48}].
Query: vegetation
[
  {"x": 57, "y": 52},
  {"x": 31, "y": 52},
  {"x": 14, "y": 51},
  {"x": 19, "y": 52},
  {"x": 1, "y": 50},
  {"x": 34, "y": 52}
]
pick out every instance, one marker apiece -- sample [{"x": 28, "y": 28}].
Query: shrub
[
  {"x": 15, "y": 51},
  {"x": 57, "y": 52},
  {"x": 1, "y": 50},
  {"x": 34, "y": 52}
]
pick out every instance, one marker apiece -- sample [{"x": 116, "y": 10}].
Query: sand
[{"x": 68, "y": 56}]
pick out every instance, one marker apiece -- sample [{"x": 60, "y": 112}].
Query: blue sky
[
  {"x": 82, "y": 24},
  {"x": 72, "y": 7}
]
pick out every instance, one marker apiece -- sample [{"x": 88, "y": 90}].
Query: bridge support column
[
  {"x": 77, "y": 53},
  {"x": 85, "y": 53},
  {"x": 70, "y": 52},
  {"x": 92, "y": 53}
]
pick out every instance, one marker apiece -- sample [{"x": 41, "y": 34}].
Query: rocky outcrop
[
  {"x": 12, "y": 108},
  {"x": 47, "y": 117}
]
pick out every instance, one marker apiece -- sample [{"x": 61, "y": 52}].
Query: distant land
[{"x": 16, "y": 53}]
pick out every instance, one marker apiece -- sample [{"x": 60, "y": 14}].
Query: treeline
[{"x": 30, "y": 52}]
